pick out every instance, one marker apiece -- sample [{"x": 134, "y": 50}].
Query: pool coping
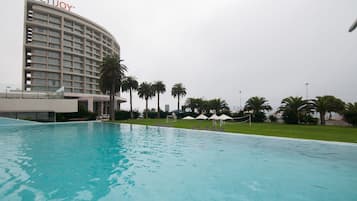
[{"x": 248, "y": 135}]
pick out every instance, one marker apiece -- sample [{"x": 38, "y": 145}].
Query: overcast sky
[{"x": 266, "y": 48}]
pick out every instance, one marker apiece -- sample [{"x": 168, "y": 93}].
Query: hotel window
[
  {"x": 37, "y": 59},
  {"x": 77, "y": 65},
  {"x": 68, "y": 25},
  {"x": 38, "y": 52},
  {"x": 78, "y": 40},
  {"x": 39, "y": 66},
  {"x": 53, "y": 54},
  {"x": 68, "y": 43},
  {"x": 51, "y": 67},
  {"x": 53, "y": 83},
  {"x": 53, "y": 76},
  {"x": 55, "y": 25},
  {"x": 77, "y": 59},
  {"x": 77, "y": 51},
  {"x": 67, "y": 84},
  {"x": 53, "y": 61},
  {"x": 68, "y": 49},
  {"x": 55, "y": 46},
  {"x": 54, "y": 40},
  {"x": 68, "y": 37},
  {"x": 67, "y": 63},
  {"x": 77, "y": 85},
  {"x": 38, "y": 82},
  {"x": 67, "y": 57},
  {"x": 78, "y": 46},
  {"x": 55, "y": 19},
  {"x": 40, "y": 30},
  {"x": 77, "y": 78},
  {"x": 69, "y": 29},
  {"x": 39, "y": 37},
  {"x": 78, "y": 71},
  {"x": 39, "y": 88},
  {"x": 67, "y": 69},
  {"x": 68, "y": 22},
  {"x": 54, "y": 33},
  {"x": 40, "y": 15},
  {"x": 77, "y": 91},
  {"x": 67, "y": 77},
  {"x": 39, "y": 43},
  {"x": 37, "y": 74}
]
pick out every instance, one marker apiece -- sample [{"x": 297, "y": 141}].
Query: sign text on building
[{"x": 59, "y": 4}]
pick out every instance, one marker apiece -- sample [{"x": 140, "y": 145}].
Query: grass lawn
[{"x": 328, "y": 133}]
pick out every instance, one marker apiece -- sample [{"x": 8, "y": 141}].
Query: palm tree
[
  {"x": 111, "y": 74},
  {"x": 159, "y": 88},
  {"x": 328, "y": 104},
  {"x": 218, "y": 105},
  {"x": 293, "y": 108},
  {"x": 193, "y": 104},
  {"x": 178, "y": 90},
  {"x": 146, "y": 92},
  {"x": 258, "y": 106},
  {"x": 130, "y": 84},
  {"x": 350, "y": 115}
]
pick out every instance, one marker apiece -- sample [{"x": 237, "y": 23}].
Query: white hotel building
[{"x": 63, "y": 49}]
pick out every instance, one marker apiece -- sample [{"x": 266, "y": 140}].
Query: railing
[{"x": 31, "y": 95}]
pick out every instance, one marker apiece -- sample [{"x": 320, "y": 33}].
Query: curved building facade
[{"x": 63, "y": 49}]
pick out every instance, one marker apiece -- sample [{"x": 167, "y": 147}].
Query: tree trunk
[
  {"x": 178, "y": 103},
  {"x": 131, "y": 105},
  {"x": 111, "y": 102},
  {"x": 146, "y": 111},
  {"x": 322, "y": 118},
  {"x": 119, "y": 104},
  {"x": 158, "y": 105}
]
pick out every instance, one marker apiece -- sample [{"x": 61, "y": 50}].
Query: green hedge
[
  {"x": 124, "y": 115},
  {"x": 82, "y": 115}
]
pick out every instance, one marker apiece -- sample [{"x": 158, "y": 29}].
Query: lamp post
[
  {"x": 6, "y": 91},
  {"x": 240, "y": 99},
  {"x": 307, "y": 90}
]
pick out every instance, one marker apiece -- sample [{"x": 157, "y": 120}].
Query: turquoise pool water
[{"x": 97, "y": 161}]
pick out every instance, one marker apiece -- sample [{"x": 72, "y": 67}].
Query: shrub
[
  {"x": 258, "y": 117},
  {"x": 124, "y": 115},
  {"x": 290, "y": 117},
  {"x": 82, "y": 115},
  {"x": 273, "y": 118},
  {"x": 308, "y": 119},
  {"x": 350, "y": 115},
  {"x": 153, "y": 114}
]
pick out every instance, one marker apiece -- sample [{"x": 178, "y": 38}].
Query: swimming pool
[
  {"x": 102, "y": 161},
  {"x": 13, "y": 122}
]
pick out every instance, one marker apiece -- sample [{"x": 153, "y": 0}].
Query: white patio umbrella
[
  {"x": 201, "y": 117},
  {"x": 214, "y": 117},
  {"x": 188, "y": 118},
  {"x": 224, "y": 117}
]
